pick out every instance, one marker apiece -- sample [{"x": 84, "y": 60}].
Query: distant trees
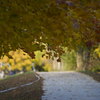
[
  {"x": 69, "y": 60},
  {"x": 22, "y": 61}
]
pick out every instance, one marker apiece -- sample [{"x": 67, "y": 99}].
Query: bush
[
  {"x": 47, "y": 67},
  {"x": 69, "y": 59},
  {"x": 96, "y": 69}
]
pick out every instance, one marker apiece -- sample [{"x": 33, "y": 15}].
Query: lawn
[{"x": 29, "y": 92}]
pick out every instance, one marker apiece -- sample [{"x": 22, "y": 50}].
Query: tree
[
  {"x": 83, "y": 58},
  {"x": 69, "y": 59},
  {"x": 20, "y": 61},
  {"x": 29, "y": 24}
]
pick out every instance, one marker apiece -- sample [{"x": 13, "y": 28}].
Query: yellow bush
[
  {"x": 18, "y": 59},
  {"x": 28, "y": 68},
  {"x": 47, "y": 67},
  {"x": 13, "y": 67},
  {"x": 28, "y": 61},
  {"x": 5, "y": 59},
  {"x": 5, "y": 67}
]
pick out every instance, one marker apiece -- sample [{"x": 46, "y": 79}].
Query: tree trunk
[
  {"x": 83, "y": 56},
  {"x": 79, "y": 59},
  {"x": 62, "y": 65},
  {"x": 54, "y": 64},
  {"x": 86, "y": 58},
  {"x": 57, "y": 65}
]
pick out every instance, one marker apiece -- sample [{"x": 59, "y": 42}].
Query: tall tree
[{"x": 29, "y": 24}]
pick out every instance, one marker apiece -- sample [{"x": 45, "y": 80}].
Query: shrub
[
  {"x": 96, "y": 69},
  {"x": 47, "y": 67}
]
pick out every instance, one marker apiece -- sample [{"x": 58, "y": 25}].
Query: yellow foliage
[
  {"x": 11, "y": 53},
  {"x": 21, "y": 59},
  {"x": 99, "y": 54},
  {"x": 28, "y": 68},
  {"x": 47, "y": 67},
  {"x": 23, "y": 63},
  {"x": 36, "y": 60},
  {"x": 18, "y": 59},
  {"x": 20, "y": 68},
  {"x": 5, "y": 67},
  {"x": 5, "y": 59},
  {"x": 11, "y": 60},
  {"x": 24, "y": 57},
  {"x": 19, "y": 64},
  {"x": 97, "y": 50},
  {"x": 28, "y": 61},
  {"x": 13, "y": 67}
]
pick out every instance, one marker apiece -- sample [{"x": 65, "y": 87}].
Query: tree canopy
[{"x": 48, "y": 24}]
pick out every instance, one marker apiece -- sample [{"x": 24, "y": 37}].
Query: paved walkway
[{"x": 69, "y": 86}]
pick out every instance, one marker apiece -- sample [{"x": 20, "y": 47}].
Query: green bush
[
  {"x": 96, "y": 69},
  {"x": 69, "y": 59}
]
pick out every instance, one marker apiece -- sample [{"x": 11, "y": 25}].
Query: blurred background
[{"x": 21, "y": 62}]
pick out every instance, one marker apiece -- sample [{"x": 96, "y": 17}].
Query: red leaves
[
  {"x": 32, "y": 55},
  {"x": 55, "y": 55},
  {"x": 98, "y": 39},
  {"x": 66, "y": 14},
  {"x": 89, "y": 43},
  {"x": 86, "y": 35},
  {"x": 95, "y": 21},
  {"x": 59, "y": 60}
]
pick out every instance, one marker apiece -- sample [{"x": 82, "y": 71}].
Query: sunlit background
[{"x": 21, "y": 62}]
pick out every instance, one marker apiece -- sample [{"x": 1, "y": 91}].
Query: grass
[
  {"x": 94, "y": 75},
  {"x": 30, "y": 92}
]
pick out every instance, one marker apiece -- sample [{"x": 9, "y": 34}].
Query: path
[{"x": 69, "y": 86}]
